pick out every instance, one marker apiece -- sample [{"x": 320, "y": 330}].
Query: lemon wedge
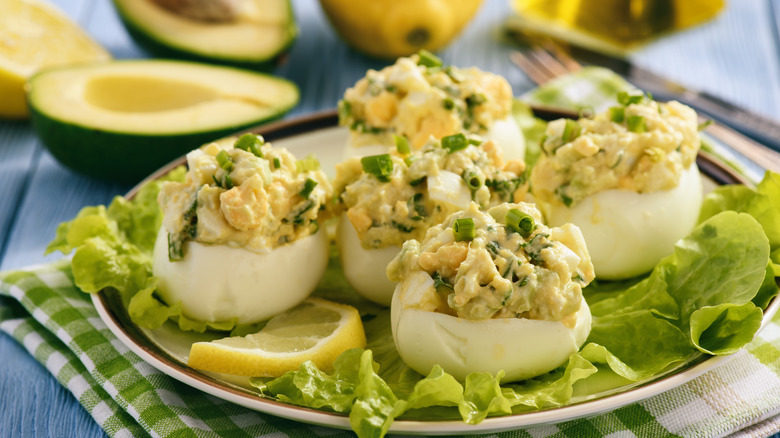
[
  {"x": 316, "y": 330},
  {"x": 35, "y": 35}
]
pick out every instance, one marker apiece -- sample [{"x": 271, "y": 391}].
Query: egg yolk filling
[
  {"x": 394, "y": 197},
  {"x": 500, "y": 263},
  {"x": 244, "y": 194},
  {"x": 640, "y": 145},
  {"x": 418, "y": 97}
]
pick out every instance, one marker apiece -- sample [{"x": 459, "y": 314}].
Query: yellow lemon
[
  {"x": 393, "y": 28},
  {"x": 35, "y": 35},
  {"x": 316, "y": 330}
]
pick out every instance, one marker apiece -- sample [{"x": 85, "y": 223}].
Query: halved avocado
[
  {"x": 255, "y": 37},
  {"x": 121, "y": 120}
]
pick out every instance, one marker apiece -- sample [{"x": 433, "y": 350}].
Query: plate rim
[{"x": 127, "y": 333}]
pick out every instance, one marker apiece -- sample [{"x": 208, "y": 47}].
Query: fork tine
[
  {"x": 530, "y": 66},
  {"x": 562, "y": 55},
  {"x": 546, "y": 61}
]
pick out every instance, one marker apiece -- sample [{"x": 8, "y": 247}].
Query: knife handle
[{"x": 756, "y": 126}]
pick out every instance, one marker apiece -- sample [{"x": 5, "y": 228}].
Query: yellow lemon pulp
[
  {"x": 34, "y": 35},
  {"x": 316, "y": 330}
]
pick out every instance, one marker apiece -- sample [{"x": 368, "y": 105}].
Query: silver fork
[{"x": 546, "y": 60}]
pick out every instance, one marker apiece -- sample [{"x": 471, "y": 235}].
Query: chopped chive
[
  {"x": 448, "y": 103},
  {"x": 401, "y": 144},
  {"x": 308, "y": 186},
  {"x": 438, "y": 281},
  {"x": 428, "y": 59},
  {"x": 250, "y": 143},
  {"x": 464, "y": 229},
  {"x": 310, "y": 163},
  {"x": 626, "y": 99},
  {"x": 571, "y": 131},
  {"x": 493, "y": 247},
  {"x": 619, "y": 159},
  {"x": 519, "y": 222},
  {"x": 390, "y": 88},
  {"x": 381, "y": 166},
  {"x": 345, "y": 110},
  {"x": 225, "y": 183},
  {"x": 476, "y": 100},
  {"x": 617, "y": 114},
  {"x": 401, "y": 227},
  {"x": 475, "y": 142},
  {"x": 454, "y": 142},
  {"x": 636, "y": 123},
  {"x": 224, "y": 160},
  {"x": 416, "y": 208},
  {"x": 409, "y": 160},
  {"x": 416, "y": 182},
  {"x": 473, "y": 179},
  {"x": 277, "y": 163}
]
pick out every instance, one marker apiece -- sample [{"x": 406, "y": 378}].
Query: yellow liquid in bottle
[{"x": 623, "y": 23}]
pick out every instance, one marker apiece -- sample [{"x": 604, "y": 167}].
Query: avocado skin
[
  {"x": 121, "y": 157},
  {"x": 159, "y": 49}
]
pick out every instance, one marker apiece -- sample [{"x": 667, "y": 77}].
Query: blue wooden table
[{"x": 736, "y": 56}]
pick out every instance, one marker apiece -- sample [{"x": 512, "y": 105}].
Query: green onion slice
[
  {"x": 626, "y": 99},
  {"x": 307, "y": 164},
  {"x": 617, "y": 114},
  {"x": 250, "y": 143},
  {"x": 401, "y": 144},
  {"x": 636, "y": 123},
  {"x": 381, "y": 166},
  {"x": 454, "y": 142},
  {"x": 519, "y": 222},
  {"x": 464, "y": 229},
  {"x": 428, "y": 59},
  {"x": 570, "y": 131},
  {"x": 224, "y": 160},
  {"x": 308, "y": 186},
  {"x": 277, "y": 163},
  {"x": 448, "y": 103},
  {"x": 473, "y": 179}
]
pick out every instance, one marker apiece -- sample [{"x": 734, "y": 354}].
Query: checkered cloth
[{"x": 43, "y": 310}]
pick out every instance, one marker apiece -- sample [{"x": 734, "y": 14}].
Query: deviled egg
[
  {"x": 239, "y": 240},
  {"x": 387, "y": 199},
  {"x": 491, "y": 291},
  {"x": 418, "y": 97},
  {"x": 627, "y": 177}
]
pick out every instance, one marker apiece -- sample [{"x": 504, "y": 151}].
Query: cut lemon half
[
  {"x": 317, "y": 330},
  {"x": 35, "y": 35}
]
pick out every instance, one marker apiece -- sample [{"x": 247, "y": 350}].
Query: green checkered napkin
[{"x": 42, "y": 309}]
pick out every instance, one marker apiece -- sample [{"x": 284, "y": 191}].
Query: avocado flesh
[
  {"x": 254, "y": 41},
  {"x": 122, "y": 120}
]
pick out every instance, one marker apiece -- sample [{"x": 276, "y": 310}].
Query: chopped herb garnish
[
  {"x": 473, "y": 179},
  {"x": 438, "y": 281},
  {"x": 705, "y": 124},
  {"x": 296, "y": 215},
  {"x": 617, "y": 114},
  {"x": 428, "y": 59},
  {"x": 416, "y": 208},
  {"x": 475, "y": 142},
  {"x": 409, "y": 160},
  {"x": 475, "y": 100},
  {"x": 448, "y": 103},
  {"x": 505, "y": 189},
  {"x": 519, "y": 222},
  {"x": 308, "y": 186},
  {"x": 523, "y": 281},
  {"x": 390, "y": 88},
  {"x": 636, "y": 123},
  {"x": 401, "y": 227},
  {"x": 416, "y": 182},
  {"x": 277, "y": 163},
  {"x": 345, "y": 110},
  {"x": 381, "y": 166},
  {"x": 464, "y": 229},
  {"x": 188, "y": 232},
  {"x": 571, "y": 130},
  {"x": 250, "y": 143},
  {"x": 493, "y": 247},
  {"x": 454, "y": 142},
  {"x": 626, "y": 99},
  {"x": 401, "y": 144},
  {"x": 509, "y": 265},
  {"x": 224, "y": 160},
  {"x": 619, "y": 159},
  {"x": 225, "y": 183},
  {"x": 310, "y": 163},
  {"x": 361, "y": 126}
]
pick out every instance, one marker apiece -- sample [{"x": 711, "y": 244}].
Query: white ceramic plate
[{"x": 167, "y": 348}]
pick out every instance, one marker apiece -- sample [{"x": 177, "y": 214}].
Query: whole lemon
[{"x": 393, "y": 28}]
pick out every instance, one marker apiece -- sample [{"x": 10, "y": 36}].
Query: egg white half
[
  {"x": 522, "y": 348},
  {"x": 220, "y": 282},
  {"x": 365, "y": 269},
  {"x": 628, "y": 233}
]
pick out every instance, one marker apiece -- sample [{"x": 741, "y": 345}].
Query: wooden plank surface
[{"x": 735, "y": 56}]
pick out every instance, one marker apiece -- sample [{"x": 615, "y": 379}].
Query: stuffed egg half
[
  {"x": 239, "y": 240},
  {"x": 627, "y": 177},
  {"x": 418, "y": 97},
  {"x": 490, "y": 292},
  {"x": 387, "y": 199}
]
